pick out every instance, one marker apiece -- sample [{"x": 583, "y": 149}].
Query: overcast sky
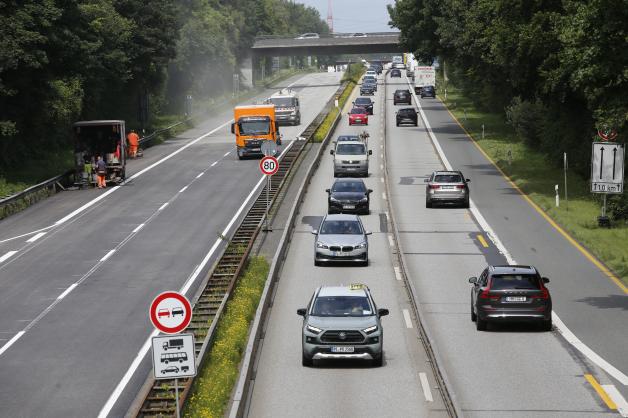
[{"x": 355, "y": 15}]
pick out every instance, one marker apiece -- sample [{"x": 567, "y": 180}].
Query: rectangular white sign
[
  {"x": 607, "y": 168},
  {"x": 173, "y": 356},
  {"x": 424, "y": 76}
]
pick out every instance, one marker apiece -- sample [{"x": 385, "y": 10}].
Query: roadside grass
[
  {"x": 531, "y": 171},
  {"x": 215, "y": 380}
]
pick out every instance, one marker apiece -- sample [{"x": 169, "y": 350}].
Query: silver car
[
  {"x": 342, "y": 322},
  {"x": 447, "y": 186},
  {"x": 341, "y": 238}
]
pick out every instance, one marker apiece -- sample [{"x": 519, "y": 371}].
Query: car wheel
[
  {"x": 480, "y": 324},
  {"x": 547, "y": 325},
  {"x": 428, "y": 204},
  {"x": 335, "y": 174},
  {"x": 474, "y": 317},
  {"x": 317, "y": 263},
  {"x": 378, "y": 362},
  {"x": 306, "y": 361},
  {"x": 466, "y": 203},
  {"x": 416, "y": 123},
  {"x": 397, "y": 123}
]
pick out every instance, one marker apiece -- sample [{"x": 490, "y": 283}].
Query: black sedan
[
  {"x": 348, "y": 196},
  {"x": 395, "y": 72},
  {"x": 428, "y": 91},
  {"x": 366, "y": 103},
  {"x": 407, "y": 115},
  {"x": 402, "y": 96}
]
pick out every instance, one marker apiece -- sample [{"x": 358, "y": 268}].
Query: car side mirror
[
  {"x": 545, "y": 280},
  {"x": 382, "y": 312},
  {"x": 370, "y": 152},
  {"x": 233, "y": 128},
  {"x": 468, "y": 180},
  {"x": 301, "y": 311},
  {"x": 331, "y": 151},
  {"x": 328, "y": 190},
  {"x": 369, "y": 191},
  {"x": 473, "y": 280},
  {"x": 367, "y": 232},
  {"x": 314, "y": 231}
]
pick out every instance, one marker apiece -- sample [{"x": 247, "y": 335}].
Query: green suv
[{"x": 342, "y": 322}]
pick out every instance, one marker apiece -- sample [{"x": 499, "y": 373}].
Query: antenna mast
[{"x": 330, "y": 17}]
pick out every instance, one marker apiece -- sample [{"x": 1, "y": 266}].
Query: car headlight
[
  {"x": 360, "y": 245},
  {"x": 321, "y": 245},
  {"x": 364, "y": 199},
  {"x": 333, "y": 199},
  {"x": 370, "y": 330},
  {"x": 314, "y": 330}
]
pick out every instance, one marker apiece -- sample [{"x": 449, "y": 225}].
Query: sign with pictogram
[
  {"x": 173, "y": 356},
  {"x": 170, "y": 312},
  {"x": 607, "y": 168},
  {"x": 269, "y": 165}
]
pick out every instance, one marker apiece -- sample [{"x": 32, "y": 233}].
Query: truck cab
[
  {"x": 253, "y": 125},
  {"x": 94, "y": 138},
  {"x": 287, "y": 107}
]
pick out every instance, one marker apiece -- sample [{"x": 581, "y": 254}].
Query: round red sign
[
  {"x": 170, "y": 312},
  {"x": 269, "y": 165}
]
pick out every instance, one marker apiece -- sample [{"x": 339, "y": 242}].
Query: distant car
[
  {"x": 377, "y": 67},
  {"x": 367, "y": 89},
  {"x": 358, "y": 115},
  {"x": 308, "y": 35},
  {"x": 399, "y": 65},
  {"x": 371, "y": 73},
  {"x": 351, "y": 158},
  {"x": 342, "y": 322},
  {"x": 170, "y": 369},
  {"x": 177, "y": 311},
  {"x": 447, "y": 186},
  {"x": 163, "y": 312},
  {"x": 510, "y": 293},
  {"x": 409, "y": 73},
  {"x": 364, "y": 102},
  {"x": 371, "y": 80},
  {"x": 428, "y": 91},
  {"x": 407, "y": 115},
  {"x": 402, "y": 96},
  {"x": 359, "y": 35},
  {"x": 348, "y": 196},
  {"x": 395, "y": 72},
  {"x": 341, "y": 238}
]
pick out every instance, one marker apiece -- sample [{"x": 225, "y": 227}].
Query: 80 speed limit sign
[{"x": 269, "y": 165}]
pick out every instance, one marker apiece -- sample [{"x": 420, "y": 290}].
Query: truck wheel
[{"x": 306, "y": 361}]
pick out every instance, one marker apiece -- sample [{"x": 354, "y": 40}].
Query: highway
[
  {"x": 283, "y": 387},
  {"x": 80, "y": 269},
  {"x": 510, "y": 370}
]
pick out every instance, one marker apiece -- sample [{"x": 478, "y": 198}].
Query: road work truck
[
  {"x": 99, "y": 138},
  {"x": 253, "y": 125},
  {"x": 287, "y": 108}
]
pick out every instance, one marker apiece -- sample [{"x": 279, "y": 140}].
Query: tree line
[{"x": 68, "y": 60}]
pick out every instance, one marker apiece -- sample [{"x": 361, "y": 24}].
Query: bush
[
  {"x": 527, "y": 120},
  {"x": 618, "y": 207}
]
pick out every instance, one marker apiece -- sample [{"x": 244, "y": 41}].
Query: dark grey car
[
  {"x": 510, "y": 293},
  {"x": 447, "y": 187},
  {"x": 348, "y": 196}
]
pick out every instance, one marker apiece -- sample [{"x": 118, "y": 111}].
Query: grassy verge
[
  {"x": 214, "y": 383},
  {"x": 536, "y": 176}
]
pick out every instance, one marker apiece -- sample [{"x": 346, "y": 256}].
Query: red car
[
  {"x": 163, "y": 312},
  {"x": 358, "y": 115}
]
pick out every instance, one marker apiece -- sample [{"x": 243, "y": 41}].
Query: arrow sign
[
  {"x": 607, "y": 174},
  {"x": 601, "y": 161},
  {"x": 614, "y": 161}
]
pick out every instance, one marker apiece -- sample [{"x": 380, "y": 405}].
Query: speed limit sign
[{"x": 269, "y": 165}]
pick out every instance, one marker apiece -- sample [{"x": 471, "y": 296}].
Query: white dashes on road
[
  {"x": 427, "y": 392},
  {"x": 36, "y": 237},
  {"x": 8, "y": 255},
  {"x": 406, "y": 317}
]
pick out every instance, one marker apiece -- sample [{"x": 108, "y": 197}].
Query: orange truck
[{"x": 253, "y": 125}]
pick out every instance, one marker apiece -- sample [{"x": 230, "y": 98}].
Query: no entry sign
[
  {"x": 170, "y": 312},
  {"x": 269, "y": 165}
]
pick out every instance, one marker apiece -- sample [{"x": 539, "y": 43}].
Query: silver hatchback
[
  {"x": 341, "y": 238},
  {"x": 447, "y": 187}
]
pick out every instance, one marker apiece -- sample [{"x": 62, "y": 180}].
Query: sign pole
[
  {"x": 565, "y": 169},
  {"x": 267, "y": 200},
  {"x": 176, "y": 394}
]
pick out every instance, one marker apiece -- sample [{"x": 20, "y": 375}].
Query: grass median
[
  {"x": 537, "y": 176},
  {"x": 214, "y": 383}
]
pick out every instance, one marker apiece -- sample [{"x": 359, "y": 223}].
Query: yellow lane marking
[
  {"x": 482, "y": 241},
  {"x": 600, "y": 391},
  {"x": 564, "y": 233}
]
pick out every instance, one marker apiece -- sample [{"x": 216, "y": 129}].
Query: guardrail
[{"x": 329, "y": 35}]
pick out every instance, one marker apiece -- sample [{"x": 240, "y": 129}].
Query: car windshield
[
  {"x": 341, "y": 228},
  {"x": 401, "y": 92},
  {"x": 349, "y": 186},
  {"x": 283, "y": 101},
  {"x": 357, "y": 111},
  {"x": 363, "y": 101},
  {"x": 407, "y": 111},
  {"x": 342, "y": 306},
  {"x": 370, "y": 78},
  {"x": 515, "y": 281},
  {"x": 350, "y": 149},
  {"x": 254, "y": 127},
  {"x": 447, "y": 178},
  {"x": 348, "y": 138}
]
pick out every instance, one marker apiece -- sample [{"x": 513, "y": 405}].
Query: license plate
[
  {"x": 256, "y": 149},
  {"x": 515, "y": 298},
  {"x": 335, "y": 253},
  {"x": 448, "y": 187},
  {"x": 342, "y": 349},
  {"x": 348, "y": 206}
]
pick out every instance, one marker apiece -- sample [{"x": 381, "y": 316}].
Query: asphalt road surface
[
  {"x": 283, "y": 387},
  {"x": 74, "y": 301},
  {"x": 510, "y": 370}
]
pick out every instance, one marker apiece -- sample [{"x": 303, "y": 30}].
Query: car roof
[
  {"x": 513, "y": 269},
  {"x": 445, "y": 172},
  {"x": 353, "y": 142},
  {"x": 359, "y": 107},
  {"x": 348, "y": 180},
  {"x": 341, "y": 217},
  {"x": 402, "y": 91},
  {"x": 346, "y": 138},
  {"x": 349, "y": 290},
  {"x": 407, "y": 109},
  {"x": 363, "y": 98}
]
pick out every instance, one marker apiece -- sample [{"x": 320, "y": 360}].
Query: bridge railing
[{"x": 329, "y": 35}]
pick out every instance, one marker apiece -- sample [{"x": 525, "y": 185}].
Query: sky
[{"x": 355, "y": 15}]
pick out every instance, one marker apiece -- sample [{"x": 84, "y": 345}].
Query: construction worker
[
  {"x": 134, "y": 142},
  {"x": 101, "y": 172}
]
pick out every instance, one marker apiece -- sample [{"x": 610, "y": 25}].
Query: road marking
[
  {"x": 383, "y": 195},
  {"x": 36, "y": 237},
  {"x": 109, "y": 254},
  {"x": 617, "y": 398},
  {"x": 227, "y": 153},
  {"x": 6, "y": 346},
  {"x": 137, "y": 228},
  {"x": 381, "y": 166},
  {"x": 600, "y": 391},
  {"x": 397, "y": 273},
  {"x": 558, "y": 323},
  {"x": 482, "y": 241},
  {"x": 162, "y": 207},
  {"x": 381, "y": 179},
  {"x": 391, "y": 241},
  {"x": 26, "y": 234},
  {"x": 200, "y": 175},
  {"x": 406, "y": 317},
  {"x": 427, "y": 392},
  {"x": 67, "y": 291},
  {"x": 183, "y": 189},
  {"x": 8, "y": 255},
  {"x": 214, "y": 163}
]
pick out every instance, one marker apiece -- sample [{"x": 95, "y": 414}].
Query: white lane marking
[
  {"x": 183, "y": 189},
  {"x": 109, "y": 254},
  {"x": 6, "y": 346},
  {"x": 67, "y": 291},
  {"x": 397, "y": 273},
  {"x": 391, "y": 242},
  {"x": 162, "y": 207},
  {"x": 26, "y": 234},
  {"x": 381, "y": 166},
  {"x": 383, "y": 195},
  {"x": 200, "y": 175},
  {"x": 381, "y": 179},
  {"x": 106, "y": 409},
  {"x": 227, "y": 153},
  {"x": 8, "y": 255},
  {"x": 406, "y": 317},
  {"x": 214, "y": 163},
  {"x": 616, "y": 396},
  {"x": 36, "y": 237},
  {"x": 427, "y": 392},
  {"x": 559, "y": 324},
  {"x": 137, "y": 228}
]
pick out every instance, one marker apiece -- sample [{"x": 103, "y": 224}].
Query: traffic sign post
[
  {"x": 268, "y": 166},
  {"x": 607, "y": 172}
]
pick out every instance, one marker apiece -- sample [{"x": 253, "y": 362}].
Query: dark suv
[
  {"x": 428, "y": 91},
  {"x": 510, "y": 293},
  {"x": 402, "y": 96},
  {"x": 348, "y": 196},
  {"x": 395, "y": 72},
  {"x": 407, "y": 115},
  {"x": 364, "y": 102}
]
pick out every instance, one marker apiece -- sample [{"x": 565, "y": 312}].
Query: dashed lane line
[
  {"x": 427, "y": 392},
  {"x": 407, "y": 318},
  {"x": 36, "y": 237},
  {"x": 8, "y": 255}
]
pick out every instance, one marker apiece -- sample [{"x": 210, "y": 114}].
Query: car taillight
[
  {"x": 485, "y": 295},
  {"x": 460, "y": 186},
  {"x": 543, "y": 295},
  {"x": 434, "y": 186}
]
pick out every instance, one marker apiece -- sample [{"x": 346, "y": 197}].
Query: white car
[
  {"x": 371, "y": 72},
  {"x": 309, "y": 35}
]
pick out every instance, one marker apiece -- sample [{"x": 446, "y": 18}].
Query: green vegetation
[
  {"x": 214, "y": 383},
  {"x": 536, "y": 175}
]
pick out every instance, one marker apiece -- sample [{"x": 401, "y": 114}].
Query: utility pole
[{"x": 330, "y": 17}]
